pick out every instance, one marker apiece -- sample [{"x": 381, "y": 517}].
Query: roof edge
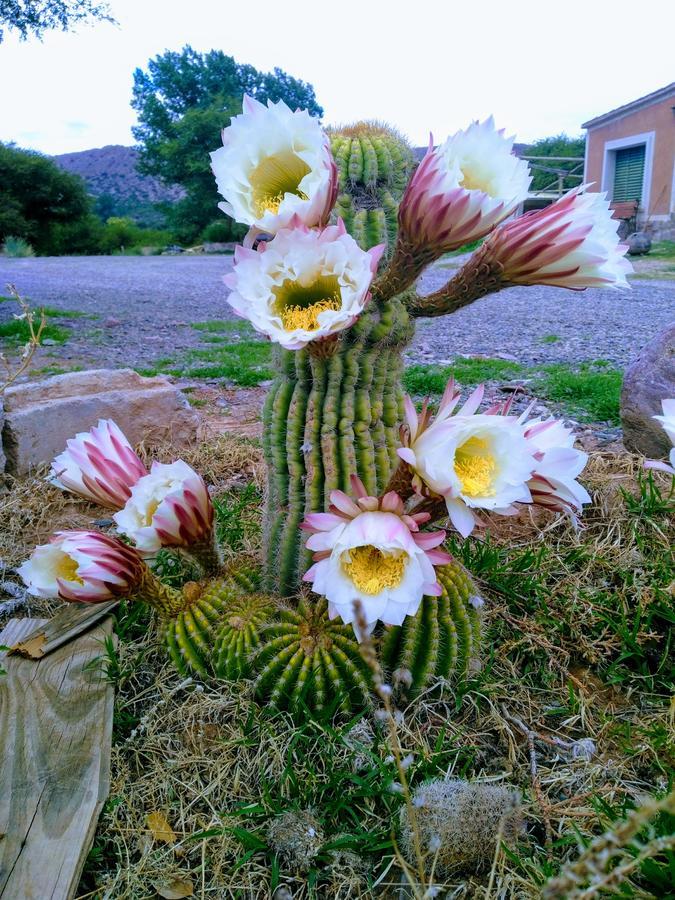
[{"x": 647, "y": 100}]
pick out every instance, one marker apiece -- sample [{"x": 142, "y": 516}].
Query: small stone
[
  {"x": 111, "y": 322},
  {"x": 48, "y": 342},
  {"x": 639, "y": 243}
]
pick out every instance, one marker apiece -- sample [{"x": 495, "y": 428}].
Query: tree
[
  {"x": 183, "y": 101},
  {"x": 46, "y": 206},
  {"x": 543, "y": 173},
  {"x": 37, "y": 16}
]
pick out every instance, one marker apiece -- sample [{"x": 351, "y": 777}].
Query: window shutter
[{"x": 628, "y": 171}]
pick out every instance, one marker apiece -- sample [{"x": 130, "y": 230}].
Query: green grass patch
[
  {"x": 223, "y": 326},
  {"x": 245, "y": 363},
  {"x": 663, "y": 250},
  {"x": 589, "y": 390},
  {"x": 53, "y": 312},
  {"x": 429, "y": 380},
  {"x": 550, "y": 339},
  {"x": 17, "y": 331}
]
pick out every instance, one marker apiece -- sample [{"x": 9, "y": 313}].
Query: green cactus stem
[
  {"x": 309, "y": 660},
  {"x": 374, "y": 164},
  {"x": 239, "y": 636},
  {"x": 191, "y": 631},
  {"x": 440, "y": 641}
]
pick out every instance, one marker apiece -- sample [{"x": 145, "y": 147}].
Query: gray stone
[
  {"x": 41, "y": 416},
  {"x": 639, "y": 243},
  {"x": 649, "y": 380}
]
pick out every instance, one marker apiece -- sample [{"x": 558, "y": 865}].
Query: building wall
[{"x": 659, "y": 119}]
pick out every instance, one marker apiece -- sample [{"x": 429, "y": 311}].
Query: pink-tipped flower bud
[
  {"x": 99, "y": 465},
  {"x": 86, "y": 566},
  {"x": 572, "y": 243},
  {"x": 169, "y": 507}
]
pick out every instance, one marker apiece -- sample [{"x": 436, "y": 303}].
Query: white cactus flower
[
  {"x": 169, "y": 507},
  {"x": 99, "y": 465},
  {"x": 304, "y": 285},
  {"x": 557, "y": 465},
  {"x": 368, "y": 550},
  {"x": 274, "y": 164},
  {"x": 667, "y": 420},
  {"x": 84, "y": 566}
]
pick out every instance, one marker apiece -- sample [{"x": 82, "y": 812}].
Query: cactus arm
[{"x": 477, "y": 278}]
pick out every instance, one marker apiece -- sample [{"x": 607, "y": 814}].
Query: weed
[
  {"x": 53, "y": 312},
  {"x": 238, "y": 517},
  {"x": 16, "y": 247},
  {"x": 550, "y": 339},
  {"x": 18, "y": 331},
  {"x": 224, "y": 326}
]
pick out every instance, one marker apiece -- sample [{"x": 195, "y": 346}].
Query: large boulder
[
  {"x": 639, "y": 243},
  {"x": 649, "y": 380},
  {"x": 40, "y": 416}
]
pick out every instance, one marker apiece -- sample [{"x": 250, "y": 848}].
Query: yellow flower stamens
[
  {"x": 66, "y": 569},
  {"x": 475, "y": 467},
  {"x": 307, "y": 317},
  {"x": 274, "y": 177},
  {"x": 371, "y": 570}
]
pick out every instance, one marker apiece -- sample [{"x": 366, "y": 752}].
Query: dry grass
[{"x": 568, "y": 709}]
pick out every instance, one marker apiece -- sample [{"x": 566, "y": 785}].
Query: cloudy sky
[{"x": 541, "y": 68}]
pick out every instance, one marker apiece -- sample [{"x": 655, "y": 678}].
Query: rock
[
  {"x": 639, "y": 243},
  {"x": 41, "y": 416},
  {"x": 649, "y": 380},
  {"x": 111, "y": 322}
]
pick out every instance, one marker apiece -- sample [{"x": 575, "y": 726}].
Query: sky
[{"x": 422, "y": 65}]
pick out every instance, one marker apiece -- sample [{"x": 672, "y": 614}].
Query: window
[{"x": 629, "y": 166}]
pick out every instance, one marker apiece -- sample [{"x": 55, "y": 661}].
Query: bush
[
  {"x": 220, "y": 231},
  {"x": 122, "y": 235},
  {"x": 16, "y": 247}
]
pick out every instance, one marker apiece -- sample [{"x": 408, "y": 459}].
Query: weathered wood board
[
  {"x": 70, "y": 621},
  {"x": 55, "y": 739}
]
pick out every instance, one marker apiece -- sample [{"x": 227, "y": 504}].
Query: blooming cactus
[
  {"x": 99, "y": 465},
  {"x": 557, "y": 465},
  {"x": 275, "y": 164},
  {"x": 474, "y": 461},
  {"x": 369, "y": 550},
  {"x": 572, "y": 243},
  {"x": 462, "y": 189},
  {"x": 169, "y": 507},
  {"x": 304, "y": 285},
  {"x": 83, "y": 565},
  {"x": 667, "y": 420}
]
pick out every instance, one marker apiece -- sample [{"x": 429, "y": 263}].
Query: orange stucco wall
[{"x": 659, "y": 118}]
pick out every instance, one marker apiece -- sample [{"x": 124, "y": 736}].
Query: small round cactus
[
  {"x": 441, "y": 639},
  {"x": 191, "y": 633},
  {"x": 374, "y": 164},
  {"x": 308, "y": 660},
  {"x": 239, "y": 635}
]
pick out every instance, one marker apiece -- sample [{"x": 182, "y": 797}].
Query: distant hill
[{"x": 111, "y": 176}]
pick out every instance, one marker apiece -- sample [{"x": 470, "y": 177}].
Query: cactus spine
[
  {"x": 239, "y": 635},
  {"x": 306, "y": 659},
  {"x": 441, "y": 639},
  {"x": 328, "y": 418}
]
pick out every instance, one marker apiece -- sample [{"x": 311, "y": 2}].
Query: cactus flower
[
  {"x": 461, "y": 190},
  {"x": 275, "y": 164},
  {"x": 83, "y": 565},
  {"x": 557, "y": 464},
  {"x": 368, "y": 550},
  {"x": 169, "y": 507},
  {"x": 99, "y": 465},
  {"x": 472, "y": 460},
  {"x": 667, "y": 420},
  {"x": 304, "y": 285},
  {"x": 572, "y": 243}
]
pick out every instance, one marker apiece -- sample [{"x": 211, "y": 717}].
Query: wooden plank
[
  {"x": 55, "y": 739},
  {"x": 69, "y": 622}
]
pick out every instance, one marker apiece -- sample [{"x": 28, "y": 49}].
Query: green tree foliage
[
  {"x": 558, "y": 145},
  {"x": 183, "y": 100},
  {"x": 34, "y": 17},
  {"x": 44, "y": 205}
]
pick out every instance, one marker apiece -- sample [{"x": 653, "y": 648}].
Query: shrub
[
  {"x": 16, "y": 247},
  {"x": 220, "y": 231}
]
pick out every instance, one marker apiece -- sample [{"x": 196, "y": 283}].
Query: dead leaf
[
  {"x": 175, "y": 889},
  {"x": 160, "y": 829}
]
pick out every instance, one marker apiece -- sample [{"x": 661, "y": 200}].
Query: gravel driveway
[{"x": 144, "y": 307}]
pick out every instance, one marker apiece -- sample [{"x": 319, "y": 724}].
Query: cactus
[
  {"x": 441, "y": 639},
  {"x": 190, "y": 634},
  {"x": 239, "y": 635},
  {"x": 308, "y": 660},
  {"x": 374, "y": 164}
]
